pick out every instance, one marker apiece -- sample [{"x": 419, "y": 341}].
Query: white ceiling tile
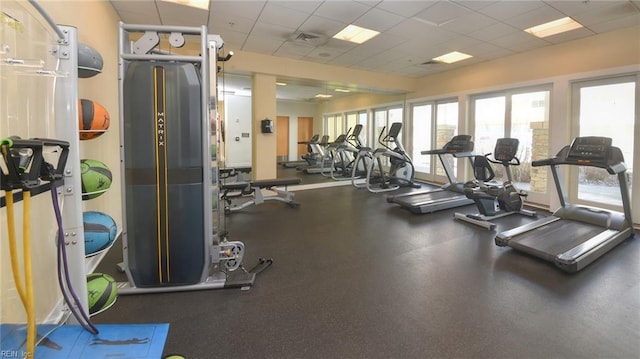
[
  {"x": 494, "y": 31},
  {"x": 475, "y": 4},
  {"x": 601, "y": 27},
  {"x": 404, "y": 8},
  {"x": 290, "y": 49},
  {"x": 343, "y": 11},
  {"x": 181, "y": 15},
  {"x": 613, "y": 11},
  {"x": 468, "y": 24},
  {"x": 534, "y": 17},
  {"x": 569, "y": 35},
  {"x": 508, "y": 9},
  {"x": 346, "y": 59},
  {"x": 441, "y": 12},
  {"x": 278, "y": 15},
  {"x": 247, "y": 8},
  {"x": 136, "y": 17},
  {"x": 573, "y": 7},
  {"x": 322, "y": 25},
  {"x": 233, "y": 40},
  {"x": 379, "y": 20},
  {"x": 272, "y": 30},
  {"x": 519, "y": 41},
  {"x": 487, "y": 51},
  {"x": 235, "y": 23},
  {"x": 410, "y": 28},
  {"x": 306, "y": 6},
  {"x": 262, "y": 44}
]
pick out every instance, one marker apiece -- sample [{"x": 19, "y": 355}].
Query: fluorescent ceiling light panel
[
  {"x": 342, "y": 90},
  {"x": 281, "y": 83},
  {"x": 321, "y": 95},
  {"x": 200, "y": 4},
  {"x": 554, "y": 27},
  {"x": 452, "y": 57},
  {"x": 357, "y": 34}
]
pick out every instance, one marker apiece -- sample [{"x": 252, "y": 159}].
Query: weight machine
[{"x": 174, "y": 237}]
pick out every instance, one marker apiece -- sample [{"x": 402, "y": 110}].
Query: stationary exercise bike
[{"x": 494, "y": 200}]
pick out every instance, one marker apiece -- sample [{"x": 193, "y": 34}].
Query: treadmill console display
[
  {"x": 589, "y": 149},
  {"x": 459, "y": 143}
]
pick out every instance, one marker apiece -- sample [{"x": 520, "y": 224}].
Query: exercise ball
[
  {"x": 89, "y": 61},
  {"x": 93, "y": 119},
  {"x": 99, "y": 231},
  {"x": 102, "y": 291},
  {"x": 95, "y": 177}
]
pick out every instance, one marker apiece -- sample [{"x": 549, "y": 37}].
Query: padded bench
[{"x": 254, "y": 190}]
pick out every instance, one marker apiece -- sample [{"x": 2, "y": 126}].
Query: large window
[
  {"x": 521, "y": 114},
  {"x": 334, "y": 126},
  {"x": 358, "y": 118},
  {"x": 433, "y": 125},
  {"x": 421, "y": 136},
  {"x": 606, "y": 108}
]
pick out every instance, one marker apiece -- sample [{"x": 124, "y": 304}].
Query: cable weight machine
[{"x": 174, "y": 237}]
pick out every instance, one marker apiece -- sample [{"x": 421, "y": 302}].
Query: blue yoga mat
[{"x": 132, "y": 341}]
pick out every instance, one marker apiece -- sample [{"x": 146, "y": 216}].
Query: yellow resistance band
[{"x": 26, "y": 296}]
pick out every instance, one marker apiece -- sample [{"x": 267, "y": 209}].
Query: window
[
  {"x": 446, "y": 128},
  {"x": 521, "y": 114},
  {"x": 421, "y": 136},
  {"x": 334, "y": 126},
  {"x": 383, "y": 118},
  {"x": 358, "y": 118},
  {"x": 604, "y": 107},
  {"x": 441, "y": 116}
]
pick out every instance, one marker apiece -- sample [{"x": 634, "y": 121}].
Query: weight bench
[
  {"x": 254, "y": 189},
  {"x": 235, "y": 173}
]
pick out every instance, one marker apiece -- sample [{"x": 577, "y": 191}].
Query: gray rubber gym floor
[{"x": 357, "y": 277}]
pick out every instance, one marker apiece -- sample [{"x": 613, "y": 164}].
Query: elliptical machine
[
  {"x": 401, "y": 170},
  {"x": 492, "y": 199}
]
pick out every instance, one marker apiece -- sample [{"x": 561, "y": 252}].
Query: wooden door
[
  {"x": 305, "y": 131},
  {"x": 282, "y": 138}
]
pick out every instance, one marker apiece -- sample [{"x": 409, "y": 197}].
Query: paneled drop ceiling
[{"x": 411, "y": 32}]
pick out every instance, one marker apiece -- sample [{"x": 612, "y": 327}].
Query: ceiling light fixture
[
  {"x": 342, "y": 90},
  {"x": 452, "y": 57},
  {"x": 554, "y": 27},
  {"x": 321, "y": 95},
  {"x": 200, "y": 4},
  {"x": 357, "y": 34},
  {"x": 281, "y": 83}
]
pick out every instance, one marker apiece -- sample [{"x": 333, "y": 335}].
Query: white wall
[{"x": 238, "y": 122}]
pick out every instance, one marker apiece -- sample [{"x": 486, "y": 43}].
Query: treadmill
[
  {"x": 574, "y": 236},
  {"x": 451, "y": 195}
]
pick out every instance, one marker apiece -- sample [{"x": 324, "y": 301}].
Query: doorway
[
  {"x": 305, "y": 132},
  {"x": 282, "y": 138}
]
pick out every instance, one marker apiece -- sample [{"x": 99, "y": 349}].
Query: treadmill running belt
[
  {"x": 555, "y": 238},
  {"x": 424, "y": 198}
]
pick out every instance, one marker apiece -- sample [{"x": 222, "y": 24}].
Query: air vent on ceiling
[{"x": 307, "y": 38}]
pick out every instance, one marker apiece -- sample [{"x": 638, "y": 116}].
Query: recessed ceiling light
[
  {"x": 321, "y": 95},
  {"x": 281, "y": 83},
  {"x": 200, "y": 4},
  {"x": 342, "y": 90},
  {"x": 355, "y": 34},
  {"x": 554, "y": 27},
  {"x": 452, "y": 57}
]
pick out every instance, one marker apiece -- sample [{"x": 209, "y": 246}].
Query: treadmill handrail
[{"x": 441, "y": 151}]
